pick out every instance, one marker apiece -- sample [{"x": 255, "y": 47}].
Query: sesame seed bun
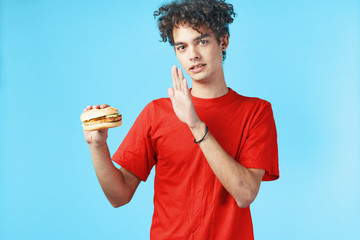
[{"x": 96, "y": 119}]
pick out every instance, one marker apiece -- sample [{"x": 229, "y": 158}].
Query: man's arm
[
  {"x": 118, "y": 185},
  {"x": 241, "y": 182}
]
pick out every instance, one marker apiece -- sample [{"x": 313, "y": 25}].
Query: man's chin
[{"x": 199, "y": 78}]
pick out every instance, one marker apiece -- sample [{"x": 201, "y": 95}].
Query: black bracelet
[{"x": 207, "y": 130}]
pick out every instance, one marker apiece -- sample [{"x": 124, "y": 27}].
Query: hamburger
[{"x": 96, "y": 119}]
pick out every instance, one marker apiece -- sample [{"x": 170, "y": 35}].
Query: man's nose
[{"x": 194, "y": 54}]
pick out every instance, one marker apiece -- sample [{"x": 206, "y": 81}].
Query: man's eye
[
  {"x": 203, "y": 42},
  {"x": 180, "y": 48}
]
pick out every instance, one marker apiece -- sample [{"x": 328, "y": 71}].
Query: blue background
[{"x": 59, "y": 56}]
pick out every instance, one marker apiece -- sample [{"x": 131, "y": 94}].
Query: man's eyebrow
[
  {"x": 202, "y": 36},
  {"x": 196, "y": 39}
]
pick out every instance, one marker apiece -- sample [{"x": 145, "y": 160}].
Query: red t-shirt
[{"x": 189, "y": 200}]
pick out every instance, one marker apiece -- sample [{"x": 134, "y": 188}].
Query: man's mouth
[{"x": 197, "y": 68}]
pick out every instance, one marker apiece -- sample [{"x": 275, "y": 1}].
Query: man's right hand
[
  {"x": 97, "y": 137},
  {"x": 118, "y": 185}
]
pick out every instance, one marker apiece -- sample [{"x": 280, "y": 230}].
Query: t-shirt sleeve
[
  {"x": 260, "y": 149},
  {"x": 136, "y": 152}
]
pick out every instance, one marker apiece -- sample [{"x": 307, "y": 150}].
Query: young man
[{"x": 211, "y": 146}]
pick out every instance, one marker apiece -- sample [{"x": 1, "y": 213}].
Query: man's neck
[{"x": 209, "y": 90}]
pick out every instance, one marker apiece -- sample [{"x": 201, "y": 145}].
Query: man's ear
[{"x": 224, "y": 42}]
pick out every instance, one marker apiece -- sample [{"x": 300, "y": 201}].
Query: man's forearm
[
  {"x": 238, "y": 180},
  {"x": 111, "y": 179}
]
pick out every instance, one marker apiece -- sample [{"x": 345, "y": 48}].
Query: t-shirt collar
[{"x": 207, "y": 102}]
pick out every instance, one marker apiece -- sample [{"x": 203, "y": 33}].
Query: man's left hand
[{"x": 181, "y": 99}]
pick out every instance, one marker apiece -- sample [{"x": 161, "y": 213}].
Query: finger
[
  {"x": 181, "y": 74},
  {"x": 181, "y": 77},
  {"x": 175, "y": 77},
  {"x": 87, "y": 108},
  {"x": 104, "y": 106},
  {"x": 103, "y": 130},
  {"x": 186, "y": 87},
  {"x": 171, "y": 93},
  {"x": 96, "y": 106}
]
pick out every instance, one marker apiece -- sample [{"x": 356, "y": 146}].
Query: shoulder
[
  {"x": 159, "y": 113},
  {"x": 157, "y": 104},
  {"x": 152, "y": 112},
  {"x": 251, "y": 103},
  {"x": 157, "y": 107},
  {"x": 160, "y": 104}
]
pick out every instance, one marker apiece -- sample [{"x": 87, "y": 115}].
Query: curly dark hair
[{"x": 213, "y": 14}]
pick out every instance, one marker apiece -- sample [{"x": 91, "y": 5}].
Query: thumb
[{"x": 171, "y": 93}]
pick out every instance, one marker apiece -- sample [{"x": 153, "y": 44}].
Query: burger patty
[{"x": 102, "y": 120}]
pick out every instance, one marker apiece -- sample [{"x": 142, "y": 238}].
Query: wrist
[
  {"x": 97, "y": 145},
  {"x": 197, "y": 125},
  {"x": 198, "y": 130}
]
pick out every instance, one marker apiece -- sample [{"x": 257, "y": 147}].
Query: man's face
[{"x": 199, "y": 54}]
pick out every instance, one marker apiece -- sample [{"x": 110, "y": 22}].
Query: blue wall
[{"x": 59, "y": 56}]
